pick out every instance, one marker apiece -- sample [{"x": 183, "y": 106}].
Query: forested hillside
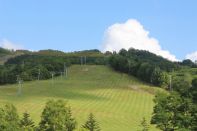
[
  {"x": 144, "y": 65},
  {"x": 45, "y": 63}
]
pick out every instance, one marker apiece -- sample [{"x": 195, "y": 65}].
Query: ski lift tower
[{"x": 19, "y": 81}]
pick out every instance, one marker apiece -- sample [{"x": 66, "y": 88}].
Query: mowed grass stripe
[{"x": 118, "y": 101}]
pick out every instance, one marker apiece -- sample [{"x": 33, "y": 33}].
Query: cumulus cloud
[
  {"x": 132, "y": 34},
  {"x": 192, "y": 56},
  {"x": 10, "y": 45}
]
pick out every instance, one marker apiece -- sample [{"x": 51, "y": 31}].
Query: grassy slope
[{"x": 118, "y": 101}]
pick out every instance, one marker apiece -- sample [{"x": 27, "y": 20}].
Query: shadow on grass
[
  {"x": 74, "y": 95},
  {"x": 53, "y": 93}
]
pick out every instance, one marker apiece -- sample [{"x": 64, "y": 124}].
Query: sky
[{"x": 165, "y": 27}]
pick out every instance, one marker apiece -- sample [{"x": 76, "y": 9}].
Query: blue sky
[{"x": 71, "y": 25}]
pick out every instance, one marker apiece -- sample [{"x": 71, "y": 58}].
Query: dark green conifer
[{"x": 91, "y": 124}]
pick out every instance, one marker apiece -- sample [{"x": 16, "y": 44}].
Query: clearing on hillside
[{"x": 118, "y": 101}]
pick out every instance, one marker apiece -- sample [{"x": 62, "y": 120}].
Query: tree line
[
  {"x": 56, "y": 116},
  {"x": 144, "y": 65}
]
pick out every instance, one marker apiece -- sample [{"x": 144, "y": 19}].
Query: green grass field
[{"x": 118, "y": 101}]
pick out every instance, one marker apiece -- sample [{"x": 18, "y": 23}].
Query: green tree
[
  {"x": 26, "y": 123},
  {"x": 181, "y": 85},
  {"x": 162, "y": 115},
  {"x": 9, "y": 120},
  {"x": 91, "y": 124},
  {"x": 188, "y": 62},
  {"x": 145, "y": 71},
  {"x": 2, "y": 120},
  {"x": 56, "y": 116},
  {"x": 70, "y": 123},
  {"x": 123, "y": 52},
  {"x": 193, "y": 90},
  {"x": 172, "y": 112},
  {"x": 159, "y": 78}
]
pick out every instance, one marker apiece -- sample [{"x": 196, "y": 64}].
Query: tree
[
  {"x": 193, "y": 90},
  {"x": 3, "y": 122},
  {"x": 144, "y": 125},
  {"x": 57, "y": 116},
  {"x": 26, "y": 122},
  {"x": 159, "y": 78},
  {"x": 91, "y": 124},
  {"x": 108, "y": 53},
  {"x": 162, "y": 115},
  {"x": 194, "y": 120},
  {"x": 188, "y": 62},
  {"x": 9, "y": 120},
  {"x": 172, "y": 112},
  {"x": 144, "y": 72},
  {"x": 70, "y": 121},
  {"x": 181, "y": 85},
  {"x": 123, "y": 52}
]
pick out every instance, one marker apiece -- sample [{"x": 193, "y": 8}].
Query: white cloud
[
  {"x": 132, "y": 34},
  {"x": 10, "y": 45},
  {"x": 192, "y": 56}
]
